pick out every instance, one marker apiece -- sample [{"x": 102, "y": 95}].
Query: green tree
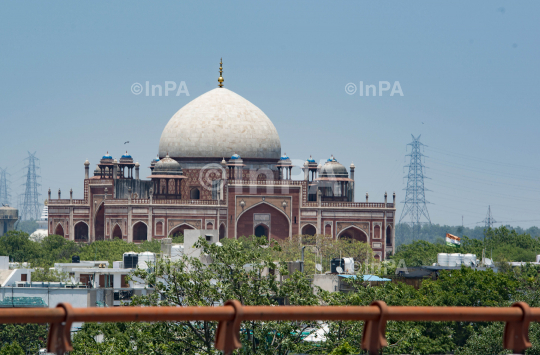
[
  {"x": 290, "y": 249},
  {"x": 178, "y": 238},
  {"x": 42, "y": 274},
  {"x": 12, "y": 349},
  {"x": 113, "y": 250},
  {"x": 236, "y": 272},
  {"x": 22, "y": 337},
  {"x": 19, "y": 247}
]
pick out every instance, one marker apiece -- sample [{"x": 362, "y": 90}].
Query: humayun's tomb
[{"x": 220, "y": 167}]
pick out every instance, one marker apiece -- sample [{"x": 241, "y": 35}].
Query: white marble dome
[{"x": 219, "y": 124}]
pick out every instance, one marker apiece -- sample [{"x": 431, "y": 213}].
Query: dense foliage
[
  {"x": 503, "y": 243},
  {"x": 236, "y": 272},
  {"x": 319, "y": 249},
  {"x": 435, "y": 233},
  {"x": 32, "y": 337},
  {"x": 241, "y": 269},
  {"x": 56, "y": 249}
]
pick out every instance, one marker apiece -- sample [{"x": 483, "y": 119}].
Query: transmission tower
[
  {"x": 415, "y": 197},
  {"x": 4, "y": 191},
  {"x": 30, "y": 205},
  {"x": 489, "y": 220}
]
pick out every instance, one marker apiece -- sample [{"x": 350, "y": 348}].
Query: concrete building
[
  {"x": 8, "y": 217},
  {"x": 220, "y": 167}
]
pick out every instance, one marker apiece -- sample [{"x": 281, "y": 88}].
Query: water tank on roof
[
  {"x": 442, "y": 259},
  {"x": 469, "y": 260},
  {"x": 146, "y": 260},
  {"x": 454, "y": 259},
  {"x": 538, "y": 258},
  {"x": 130, "y": 260},
  {"x": 348, "y": 265},
  {"x": 335, "y": 263},
  {"x": 75, "y": 259}
]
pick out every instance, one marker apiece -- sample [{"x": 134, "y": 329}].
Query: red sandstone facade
[
  {"x": 195, "y": 188},
  {"x": 278, "y": 207}
]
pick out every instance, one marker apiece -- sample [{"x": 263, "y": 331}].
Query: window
[{"x": 194, "y": 194}]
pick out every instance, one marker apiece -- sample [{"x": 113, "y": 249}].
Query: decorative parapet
[
  {"x": 350, "y": 204},
  {"x": 138, "y": 202},
  {"x": 66, "y": 202}
]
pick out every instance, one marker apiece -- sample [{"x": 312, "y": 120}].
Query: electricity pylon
[
  {"x": 415, "y": 197},
  {"x": 31, "y": 205}
]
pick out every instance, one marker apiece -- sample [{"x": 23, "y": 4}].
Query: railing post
[
  {"x": 228, "y": 332},
  {"x": 59, "y": 339},
  {"x": 516, "y": 334},
  {"x": 373, "y": 337}
]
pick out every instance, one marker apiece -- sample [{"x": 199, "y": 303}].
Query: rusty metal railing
[{"x": 230, "y": 316}]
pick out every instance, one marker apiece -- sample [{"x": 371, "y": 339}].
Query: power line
[
  {"x": 31, "y": 205},
  {"x": 481, "y": 160},
  {"x": 415, "y": 198}
]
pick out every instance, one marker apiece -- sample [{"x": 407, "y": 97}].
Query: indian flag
[{"x": 452, "y": 240}]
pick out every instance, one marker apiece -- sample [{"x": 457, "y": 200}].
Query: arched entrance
[
  {"x": 308, "y": 229},
  {"x": 117, "y": 232},
  {"x": 279, "y": 224},
  {"x": 353, "y": 233},
  {"x": 59, "y": 230},
  {"x": 389, "y": 236},
  {"x": 221, "y": 231},
  {"x": 99, "y": 226},
  {"x": 194, "y": 194},
  {"x": 179, "y": 230},
  {"x": 261, "y": 231},
  {"x": 140, "y": 232},
  {"x": 81, "y": 232}
]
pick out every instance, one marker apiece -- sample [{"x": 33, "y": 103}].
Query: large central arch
[{"x": 278, "y": 224}]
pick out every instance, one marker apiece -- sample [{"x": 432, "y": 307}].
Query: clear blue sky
[{"x": 469, "y": 71}]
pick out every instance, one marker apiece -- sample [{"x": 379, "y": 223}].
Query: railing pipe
[{"x": 517, "y": 319}]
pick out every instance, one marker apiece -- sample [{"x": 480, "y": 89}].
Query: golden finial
[{"x": 220, "y": 80}]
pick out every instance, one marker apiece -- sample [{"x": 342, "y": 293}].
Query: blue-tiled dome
[
  {"x": 156, "y": 159},
  {"x": 126, "y": 156},
  {"x": 235, "y": 156},
  {"x": 107, "y": 156},
  {"x": 284, "y": 157},
  {"x": 311, "y": 160}
]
